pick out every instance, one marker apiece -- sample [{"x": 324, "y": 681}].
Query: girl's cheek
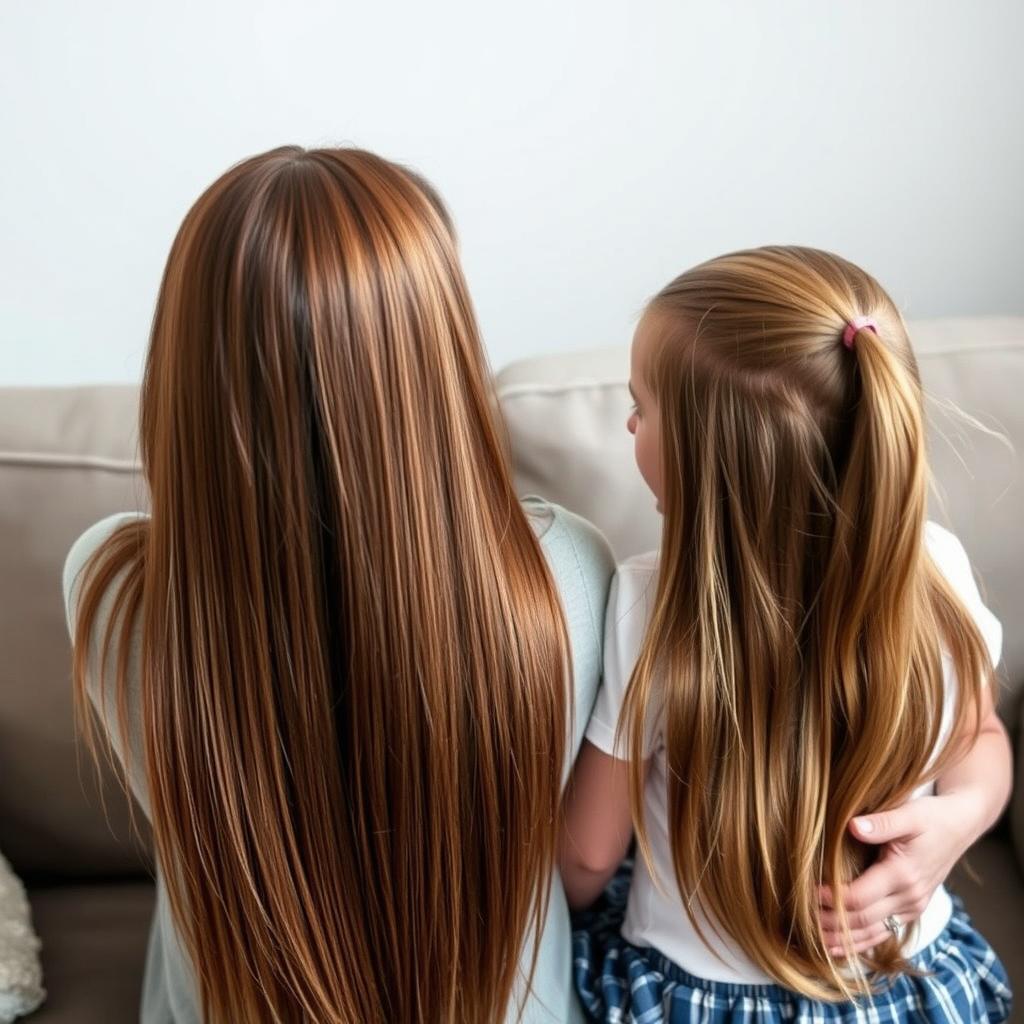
[{"x": 648, "y": 460}]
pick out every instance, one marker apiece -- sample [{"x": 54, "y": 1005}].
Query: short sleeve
[
  {"x": 78, "y": 557},
  {"x": 951, "y": 559},
  {"x": 582, "y": 565},
  {"x": 100, "y": 677},
  {"x": 629, "y": 606}
]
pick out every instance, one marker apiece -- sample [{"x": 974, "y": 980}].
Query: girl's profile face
[{"x": 644, "y": 422}]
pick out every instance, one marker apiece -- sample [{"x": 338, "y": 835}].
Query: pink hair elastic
[{"x": 858, "y": 323}]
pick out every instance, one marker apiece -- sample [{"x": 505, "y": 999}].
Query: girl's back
[{"x": 656, "y": 915}]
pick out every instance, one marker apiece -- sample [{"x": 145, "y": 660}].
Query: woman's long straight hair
[
  {"x": 352, "y": 671},
  {"x": 794, "y": 648}
]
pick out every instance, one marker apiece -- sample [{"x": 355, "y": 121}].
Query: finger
[
  {"x": 867, "y": 926},
  {"x": 859, "y": 941},
  {"x": 831, "y": 923},
  {"x": 886, "y": 826},
  {"x": 879, "y": 882}
]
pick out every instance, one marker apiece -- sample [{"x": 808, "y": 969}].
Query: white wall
[{"x": 589, "y": 150}]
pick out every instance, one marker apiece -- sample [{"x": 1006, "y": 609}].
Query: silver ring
[{"x": 894, "y": 925}]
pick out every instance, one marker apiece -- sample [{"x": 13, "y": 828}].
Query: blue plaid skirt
[{"x": 623, "y": 984}]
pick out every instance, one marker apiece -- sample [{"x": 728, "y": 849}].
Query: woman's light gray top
[{"x": 581, "y": 564}]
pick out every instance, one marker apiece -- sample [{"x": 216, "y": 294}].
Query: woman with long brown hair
[{"x": 344, "y": 670}]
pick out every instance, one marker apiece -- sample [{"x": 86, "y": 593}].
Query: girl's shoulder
[
  {"x": 632, "y": 592},
  {"x": 949, "y": 556},
  {"x": 640, "y": 570},
  {"x": 952, "y": 561}
]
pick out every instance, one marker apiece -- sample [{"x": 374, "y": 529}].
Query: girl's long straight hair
[
  {"x": 794, "y": 649},
  {"x": 352, "y": 671}
]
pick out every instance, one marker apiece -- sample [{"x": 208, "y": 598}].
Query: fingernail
[{"x": 864, "y": 825}]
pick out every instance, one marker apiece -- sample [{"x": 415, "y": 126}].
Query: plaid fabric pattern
[{"x": 622, "y": 984}]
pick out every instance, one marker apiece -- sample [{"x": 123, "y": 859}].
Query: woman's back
[{"x": 581, "y": 565}]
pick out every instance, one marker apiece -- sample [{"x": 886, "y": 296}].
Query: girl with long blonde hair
[
  {"x": 343, "y": 669},
  {"x": 804, "y": 648}
]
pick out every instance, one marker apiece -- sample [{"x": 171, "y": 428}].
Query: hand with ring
[{"x": 921, "y": 841}]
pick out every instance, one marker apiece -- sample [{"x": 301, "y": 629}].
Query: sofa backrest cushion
[{"x": 67, "y": 459}]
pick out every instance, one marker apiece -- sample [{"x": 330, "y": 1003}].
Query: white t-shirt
[{"x": 656, "y": 917}]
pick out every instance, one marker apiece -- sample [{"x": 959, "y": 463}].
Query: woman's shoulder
[
  {"x": 581, "y": 564},
  {"x": 569, "y": 541},
  {"x": 83, "y": 549},
  {"x": 100, "y": 672}
]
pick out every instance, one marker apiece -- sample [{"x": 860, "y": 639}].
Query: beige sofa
[{"x": 68, "y": 457}]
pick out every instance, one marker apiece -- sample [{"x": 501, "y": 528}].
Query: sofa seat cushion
[{"x": 94, "y": 950}]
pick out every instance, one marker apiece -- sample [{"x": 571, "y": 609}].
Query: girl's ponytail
[{"x": 875, "y": 647}]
